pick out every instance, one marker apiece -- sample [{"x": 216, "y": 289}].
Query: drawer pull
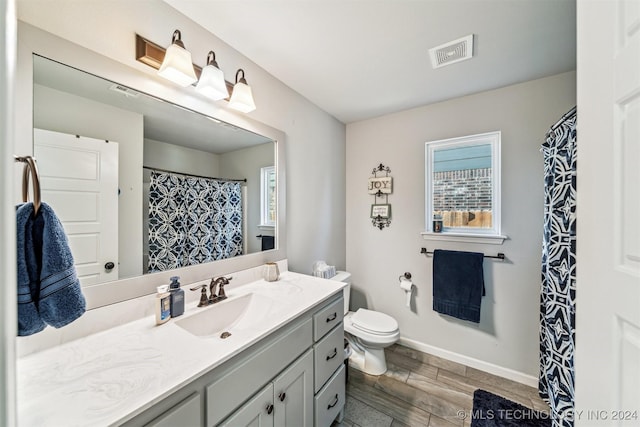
[
  {"x": 334, "y": 354},
  {"x": 282, "y": 396},
  {"x": 270, "y": 408},
  {"x": 332, "y": 317},
  {"x": 334, "y": 403}
]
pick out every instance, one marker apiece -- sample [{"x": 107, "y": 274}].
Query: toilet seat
[{"x": 374, "y": 322}]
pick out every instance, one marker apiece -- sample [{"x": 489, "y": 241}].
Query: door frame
[{"x": 8, "y": 322}]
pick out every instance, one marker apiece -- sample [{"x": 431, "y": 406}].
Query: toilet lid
[{"x": 374, "y": 321}]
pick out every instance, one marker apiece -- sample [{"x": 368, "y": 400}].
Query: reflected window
[{"x": 268, "y": 196}]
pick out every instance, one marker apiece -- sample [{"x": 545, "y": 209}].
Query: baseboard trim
[{"x": 471, "y": 362}]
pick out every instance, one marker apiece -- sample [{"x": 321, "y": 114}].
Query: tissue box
[{"x": 321, "y": 269}]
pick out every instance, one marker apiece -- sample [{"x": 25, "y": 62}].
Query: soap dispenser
[
  {"x": 163, "y": 305},
  {"x": 177, "y": 297}
]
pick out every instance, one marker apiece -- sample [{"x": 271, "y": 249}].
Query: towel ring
[{"x": 30, "y": 168}]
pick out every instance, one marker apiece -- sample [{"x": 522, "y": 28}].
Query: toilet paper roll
[{"x": 407, "y": 286}]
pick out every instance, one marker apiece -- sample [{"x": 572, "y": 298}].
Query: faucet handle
[
  {"x": 204, "y": 301},
  {"x": 223, "y": 281}
]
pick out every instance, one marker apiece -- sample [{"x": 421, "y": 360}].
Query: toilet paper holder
[
  {"x": 406, "y": 285},
  {"x": 406, "y": 275}
]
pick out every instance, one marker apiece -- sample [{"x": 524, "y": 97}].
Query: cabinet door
[
  {"x": 186, "y": 413},
  {"x": 258, "y": 412},
  {"x": 293, "y": 394}
]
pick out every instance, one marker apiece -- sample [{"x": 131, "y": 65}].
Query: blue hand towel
[
  {"x": 52, "y": 280},
  {"x": 29, "y": 320},
  {"x": 458, "y": 284}
]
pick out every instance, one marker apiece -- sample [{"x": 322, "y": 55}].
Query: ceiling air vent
[
  {"x": 126, "y": 91},
  {"x": 452, "y": 52}
]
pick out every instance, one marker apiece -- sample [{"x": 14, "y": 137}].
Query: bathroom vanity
[{"x": 282, "y": 364}]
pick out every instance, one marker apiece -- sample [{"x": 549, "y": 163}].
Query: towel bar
[
  {"x": 30, "y": 168},
  {"x": 499, "y": 256}
]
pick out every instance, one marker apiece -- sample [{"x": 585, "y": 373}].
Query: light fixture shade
[
  {"x": 177, "y": 65},
  {"x": 242, "y": 97},
  {"x": 212, "y": 83}
]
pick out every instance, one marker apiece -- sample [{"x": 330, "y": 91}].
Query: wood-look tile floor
[{"x": 419, "y": 389}]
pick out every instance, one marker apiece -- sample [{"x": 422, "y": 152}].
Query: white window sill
[
  {"x": 266, "y": 227},
  {"x": 466, "y": 237}
]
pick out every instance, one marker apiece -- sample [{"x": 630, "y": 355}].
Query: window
[
  {"x": 462, "y": 182},
  {"x": 268, "y": 196}
]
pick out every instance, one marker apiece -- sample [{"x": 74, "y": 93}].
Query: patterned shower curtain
[
  {"x": 192, "y": 220},
  {"x": 558, "y": 290}
]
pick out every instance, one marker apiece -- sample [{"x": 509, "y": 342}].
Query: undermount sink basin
[{"x": 225, "y": 316}]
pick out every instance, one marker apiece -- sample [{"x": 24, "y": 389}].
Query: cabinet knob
[
  {"x": 335, "y": 402},
  {"x": 334, "y": 354},
  {"x": 282, "y": 396},
  {"x": 270, "y": 408},
  {"x": 109, "y": 266}
]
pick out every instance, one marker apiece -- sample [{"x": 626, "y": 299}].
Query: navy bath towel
[
  {"x": 458, "y": 284},
  {"x": 268, "y": 242},
  {"x": 48, "y": 287}
]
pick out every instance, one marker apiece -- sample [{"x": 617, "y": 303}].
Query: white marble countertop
[{"x": 109, "y": 377}]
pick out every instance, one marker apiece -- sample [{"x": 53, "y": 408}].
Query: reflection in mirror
[{"x": 143, "y": 185}]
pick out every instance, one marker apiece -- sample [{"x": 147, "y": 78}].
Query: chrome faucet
[{"x": 220, "y": 282}]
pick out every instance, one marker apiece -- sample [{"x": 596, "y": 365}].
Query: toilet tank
[{"x": 345, "y": 277}]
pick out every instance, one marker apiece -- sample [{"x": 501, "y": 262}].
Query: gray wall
[
  {"x": 507, "y": 336},
  {"x": 176, "y": 158},
  {"x": 246, "y": 163},
  {"x": 62, "y": 112},
  {"x": 315, "y": 154}
]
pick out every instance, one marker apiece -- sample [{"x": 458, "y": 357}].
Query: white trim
[
  {"x": 494, "y": 139},
  {"x": 466, "y": 238},
  {"x": 500, "y": 371},
  {"x": 265, "y": 174}
]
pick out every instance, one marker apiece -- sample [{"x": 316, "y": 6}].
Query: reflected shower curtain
[
  {"x": 192, "y": 220},
  {"x": 558, "y": 290}
]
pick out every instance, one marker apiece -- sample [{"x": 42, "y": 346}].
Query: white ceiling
[{"x": 358, "y": 59}]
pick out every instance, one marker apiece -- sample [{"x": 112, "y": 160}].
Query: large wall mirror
[{"x": 146, "y": 187}]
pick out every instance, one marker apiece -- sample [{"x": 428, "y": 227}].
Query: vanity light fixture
[
  {"x": 155, "y": 56},
  {"x": 177, "y": 65},
  {"x": 212, "y": 83},
  {"x": 241, "y": 97}
]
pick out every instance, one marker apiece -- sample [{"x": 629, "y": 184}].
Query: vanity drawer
[
  {"x": 328, "y": 355},
  {"x": 330, "y": 401},
  {"x": 325, "y": 319}
]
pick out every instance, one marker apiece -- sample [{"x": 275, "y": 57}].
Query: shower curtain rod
[
  {"x": 195, "y": 176},
  {"x": 564, "y": 117}
]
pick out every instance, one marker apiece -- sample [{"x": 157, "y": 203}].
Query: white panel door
[
  {"x": 79, "y": 180},
  {"x": 608, "y": 214}
]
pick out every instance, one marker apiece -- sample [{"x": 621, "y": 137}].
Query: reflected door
[{"x": 79, "y": 180}]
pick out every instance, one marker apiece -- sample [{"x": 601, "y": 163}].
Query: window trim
[
  {"x": 265, "y": 172},
  {"x": 492, "y": 235}
]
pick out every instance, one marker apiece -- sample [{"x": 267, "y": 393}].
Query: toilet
[{"x": 368, "y": 333}]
